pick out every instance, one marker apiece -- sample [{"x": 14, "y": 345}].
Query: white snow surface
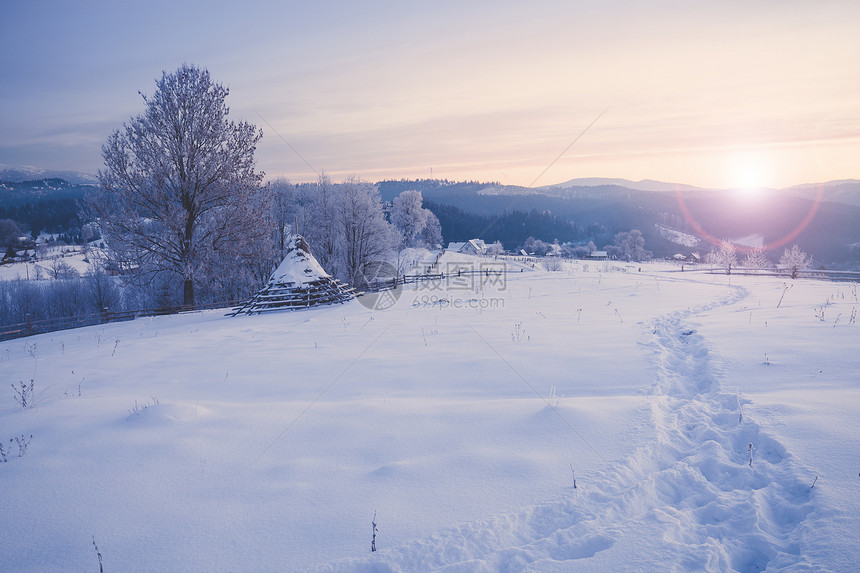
[
  {"x": 199, "y": 442},
  {"x": 71, "y": 255},
  {"x": 678, "y": 237},
  {"x": 755, "y": 241}
]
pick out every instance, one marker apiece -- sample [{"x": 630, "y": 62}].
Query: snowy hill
[
  {"x": 679, "y": 238},
  {"x": 845, "y": 191},
  {"x": 694, "y": 411},
  {"x": 643, "y": 185},
  {"x": 19, "y": 173}
]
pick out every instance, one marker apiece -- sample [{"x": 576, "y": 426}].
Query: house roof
[{"x": 477, "y": 244}]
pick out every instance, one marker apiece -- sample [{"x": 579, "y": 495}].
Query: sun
[{"x": 749, "y": 174}]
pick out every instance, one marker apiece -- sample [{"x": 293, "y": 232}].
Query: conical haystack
[{"x": 298, "y": 282}]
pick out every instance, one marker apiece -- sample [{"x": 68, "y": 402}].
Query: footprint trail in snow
[{"x": 692, "y": 490}]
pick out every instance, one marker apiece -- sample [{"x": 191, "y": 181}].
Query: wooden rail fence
[{"x": 31, "y": 327}]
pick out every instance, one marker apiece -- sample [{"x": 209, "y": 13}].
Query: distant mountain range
[
  {"x": 19, "y": 173},
  {"x": 823, "y": 218},
  {"x": 842, "y": 191},
  {"x": 845, "y": 191},
  {"x": 644, "y": 185}
]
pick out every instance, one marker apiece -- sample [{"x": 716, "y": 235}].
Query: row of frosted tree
[
  {"x": 180, "y": 202},
  {"x": 725, "y": 255},
  {"x": 187, "y": 219},
  {"x": 348, "y": 226}
]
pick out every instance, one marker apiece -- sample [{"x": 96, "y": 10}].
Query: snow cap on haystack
[
  {"x": 298, "y": 282},
  {"x": 299, "y": 265}
]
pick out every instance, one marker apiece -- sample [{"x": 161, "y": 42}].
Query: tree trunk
[{"x": 188, "y": 293}]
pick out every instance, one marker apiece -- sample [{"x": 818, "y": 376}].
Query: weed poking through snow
[
  {"x": 79, "y": 393},
  {"x": 819, "y": 313},
  {"x": 740, "y": 410},
  {"x": 23, "y": 444},
  {"x": 24, "y": 394},
  {"x": 375, "y": 530},
  {"x": 519, "y": 333},
  {"x": 785, "y": 288},
  {"x": 138, "y": 407},
  {"x": 99, "y": 554}
]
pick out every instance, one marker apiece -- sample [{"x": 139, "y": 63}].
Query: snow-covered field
[
  {"x": 458, "y": 417},
  {"x": 70, "y": 255}
]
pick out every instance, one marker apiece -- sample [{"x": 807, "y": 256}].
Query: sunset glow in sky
[{"x": 716, "y": 94}]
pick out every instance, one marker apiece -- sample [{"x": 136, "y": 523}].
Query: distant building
[
  {"x": 599, "y": 255},
  {"x": 472, "y": 247}
]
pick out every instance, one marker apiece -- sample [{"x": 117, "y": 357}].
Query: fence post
[{"x": 29, "y": 328}]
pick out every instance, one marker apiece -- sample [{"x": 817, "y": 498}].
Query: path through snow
[{"x": 692, "y": 490}]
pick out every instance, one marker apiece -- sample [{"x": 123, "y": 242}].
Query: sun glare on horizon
[{"x": 749, "y": 174}]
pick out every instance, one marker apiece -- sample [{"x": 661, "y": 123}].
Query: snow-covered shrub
[{"x": 552, "y": 264}]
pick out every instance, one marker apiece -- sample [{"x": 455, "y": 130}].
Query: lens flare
[{"x": 788, "y": 238}]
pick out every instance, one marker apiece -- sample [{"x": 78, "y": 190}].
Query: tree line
[
  {"x": 180, "y": 202},
  {"x": 186, "y": 218}
]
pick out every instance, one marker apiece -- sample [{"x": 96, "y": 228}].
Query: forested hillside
[{"x": 50, "y": 205}]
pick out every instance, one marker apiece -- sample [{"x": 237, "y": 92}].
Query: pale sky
[{"x": 710, "y": 93}]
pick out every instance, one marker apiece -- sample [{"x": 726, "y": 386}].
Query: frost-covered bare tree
[
  {"x": 409, "y": 217},
  {"x": 323, "y": 229},
  {"x": 367, "y": 236},
  {"x": 61, "y": 270},
  {"x": 102, "y": 290},
  {"x": 536, "y": 247},
  {"x": 285, "y": 209},
  {"x": 432, "y": 233},
  {"x": 756, "y": 259},
  {"x": 179, "y": 196},
  {"x": 494, "y": 249},
  {"x": 795, "y": 259},
  {"x": 631, "y": 246},
  {"x": 418, "y": 227},
  {"x": 9, "y": 232},
  {"x": 723, "y": 255}
]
